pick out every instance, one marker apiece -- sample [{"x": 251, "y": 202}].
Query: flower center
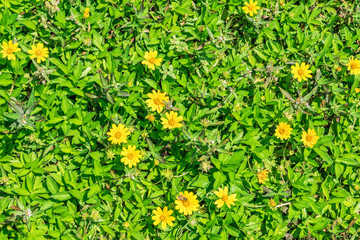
[
  {"x": 157, "y": 101},
  {"x": 281, "y": 131},
  {"x": 118, "y": 135},
  {"x": 353, "y": 65},
  {"x": 251, "y": 8},
  {"x": 186, "y": 203},
  {"x": 130, "y": 156},
  {"x": 224, "y": 198},
  {"x": 309, "y": 138},
  {"x": 171, "y": 122},
  {"x": 38, "y": 52},
  {"x": 301, "y": 72},
  {"x": 9, "y": 51},
  {"x": 162, "y": 218},
  {"x": 151, "y": 60}
]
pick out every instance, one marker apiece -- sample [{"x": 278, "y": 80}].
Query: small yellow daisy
[
  {"x": 272, "y": 203},
  {"x": 151, "y": 59},
  {"x": 118, "y": 134},
  {"x": 283, "y": 131},
  {"x": 163, "y": 216},
  {"x": 263, "y": 176},
  {"x": 39, "y": 52},
  {"x": 150, "y": 117},
  {"x": 8, "y": 50},
  {"x": 251, "y": 8},
  {"x": 225, "y": 198},
  {"x": 186, "y": 203},
  {"x": 301, "y": 72},
  {"x": 87, "y": 12},
  {"x": 309, "y": 138},
  {"x": 172, "y": 120},
  {"x": 157, "y": 100},
  {"x": 131, "y": 156},
  {"x": 354, "y": 66}
]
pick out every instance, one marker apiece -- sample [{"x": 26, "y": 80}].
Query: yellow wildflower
[
  {"x": 186, "y": 203},
  {"x": 163, "y": 216},
  {"x": 39, "y": 52},
  {"x": 151, "y": 59},
  {"x": 8, "y": 50},
  {"x": 87, "y": 12},
  {"x": 263, "y": 176},
  {"x": 172, "y": 120},
  {"x": 131, "y": 156},
  {"x": 251, "y": 8},
  {"x": 301, "y": 72},
  {"x": 283, "y": 131},
  {"x": 309, "y": 138},
  {"x": 272, "y": 203},
  {"x": 225, "y": 198},
  {"x": 157, "y": 100},
  {"x": 118, "y": 134},
  {"x": 354, "y": 66}
]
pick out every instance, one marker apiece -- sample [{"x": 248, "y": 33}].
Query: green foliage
[{"x": 227, "y": 74}]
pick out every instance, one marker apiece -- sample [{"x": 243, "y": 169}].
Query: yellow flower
[
  {"x": 86, "y": 12},
  {"x": 338, "y": 68},
  {"x": 131, "y": 156},
  {"x": 172, "y": 120},
  {"x": 309, "y": 138},
  {"x": 225, "y": 198},
  {"x": 357, "y": 90},
  {"x": 251, "y": 8},
  {"x": 40, "y": 52},
  {"x": 8, "y": 50},
  {"x": 151, "y": 59},
  {"x": 263, "y": 176},
  {"x": 150, "y": 117},
  {"x": 187, "y": 203},
  {"x": 272, "y": 203},
  {"x": 301, "y": 72},
  {"x": 163, "y": 216},
  {"x": 354, "y": 66},
  {"x": 156, "y": 162},
  {"x": 157, "y": 100},
  {"x": 126, "y": 224},
  {"x": 118, "y": 134},
  {"x": 283, "y": 131}
]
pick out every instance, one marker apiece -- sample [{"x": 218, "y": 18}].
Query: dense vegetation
[{"x": 169, "y": 119}]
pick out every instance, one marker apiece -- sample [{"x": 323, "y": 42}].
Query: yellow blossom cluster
[
  {"x": 187, "y": 203},
  {"x": 309, "y": 138},
  {"x": 37, "y": 51}
]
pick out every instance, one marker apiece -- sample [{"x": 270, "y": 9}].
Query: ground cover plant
[{"x": 138, "y": 119}]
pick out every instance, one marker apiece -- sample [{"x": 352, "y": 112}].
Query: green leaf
[
  {"x": 202, "y": 181},
  {"x": 233, "y": 231},
  {"x": 52, "y": 185},
  {"x": 324, "y": 155},
  {"x": 28, "y": 24},
  {"x": 21, "y": 191},
  {"x": 5, "y": 79},
  {"x": 61, "y": 196},
  {"x": 60, "y": 65},
  {"x": 94, "y": 189}
]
